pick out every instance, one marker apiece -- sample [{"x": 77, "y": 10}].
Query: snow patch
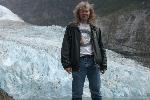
[{"x": 6, "y": 14}]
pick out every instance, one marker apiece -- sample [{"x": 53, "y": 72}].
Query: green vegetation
[{"x": 105, "y": 7}]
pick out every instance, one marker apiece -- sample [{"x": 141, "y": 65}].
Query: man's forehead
[{"x": 84, "y": 9}]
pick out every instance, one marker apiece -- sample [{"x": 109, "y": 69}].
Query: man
[{"x": 82, "y": 52}]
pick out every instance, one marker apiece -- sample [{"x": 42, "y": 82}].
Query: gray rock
[{"x": 127, "y": 32}]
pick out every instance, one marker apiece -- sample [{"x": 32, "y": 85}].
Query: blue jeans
[{"x": 87, "y": 68}]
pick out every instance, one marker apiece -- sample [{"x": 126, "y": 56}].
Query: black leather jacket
[{"x": 70, "y": 51}]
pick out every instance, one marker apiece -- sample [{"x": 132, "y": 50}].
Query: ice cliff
[{"x": 30, "y": 66}]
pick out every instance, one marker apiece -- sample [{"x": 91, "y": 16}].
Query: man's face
[{"x": 84, "y": 14}]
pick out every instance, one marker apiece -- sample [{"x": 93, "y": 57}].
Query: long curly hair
[{"x": 82, "y": 5}]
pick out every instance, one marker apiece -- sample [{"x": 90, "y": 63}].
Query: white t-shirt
[{"x": 85, "y": 43}]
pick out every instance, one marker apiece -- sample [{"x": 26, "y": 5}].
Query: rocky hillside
[
  {"x": 127, "y": 32},
  {"x": 48, "y": 12}
]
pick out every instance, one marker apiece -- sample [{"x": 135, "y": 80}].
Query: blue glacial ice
[{"x": 30, "y": 66}]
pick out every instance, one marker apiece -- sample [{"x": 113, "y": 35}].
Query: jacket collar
[{"x": 75, "y": 24}]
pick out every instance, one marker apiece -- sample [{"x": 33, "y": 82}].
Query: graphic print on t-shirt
[{"x": 85, "y": 37}]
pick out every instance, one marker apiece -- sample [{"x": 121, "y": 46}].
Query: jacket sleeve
[
  {"x": 65, "y": 49},
  {"x": 103, "y": 51}
]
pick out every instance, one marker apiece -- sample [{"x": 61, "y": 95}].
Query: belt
[{"x": 87, "y": 56}]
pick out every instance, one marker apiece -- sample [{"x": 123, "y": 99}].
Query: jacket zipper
[
  {"x": 79, "y": 41},
  {"x": 92, "y": 40}
]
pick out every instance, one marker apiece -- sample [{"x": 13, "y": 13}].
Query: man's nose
[{"x": 84, "y": 14}]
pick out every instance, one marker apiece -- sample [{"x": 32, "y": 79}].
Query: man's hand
[
  {"x": 103, "y": 69},
  {"x": 69, "y": 70}
]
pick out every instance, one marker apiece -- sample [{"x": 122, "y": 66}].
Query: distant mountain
[{"x": 48, "y": 12}]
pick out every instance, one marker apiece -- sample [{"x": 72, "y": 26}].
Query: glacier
[{"x": 30, "y": 67}]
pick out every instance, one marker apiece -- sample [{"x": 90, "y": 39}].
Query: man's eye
[{"x": 84, "y": 12}]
